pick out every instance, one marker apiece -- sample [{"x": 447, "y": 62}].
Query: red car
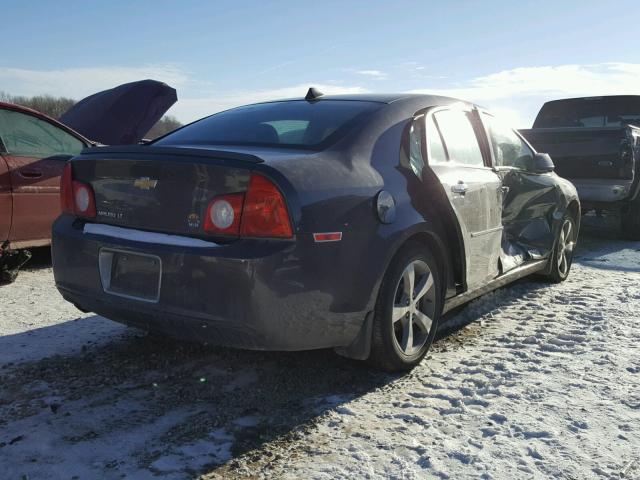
[{"x": 34, "y": 149}]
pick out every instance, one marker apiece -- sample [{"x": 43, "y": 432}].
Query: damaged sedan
[{"x": 348, "y": 222}]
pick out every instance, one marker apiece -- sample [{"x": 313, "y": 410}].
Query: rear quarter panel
[{"x": 337, "y": 191}]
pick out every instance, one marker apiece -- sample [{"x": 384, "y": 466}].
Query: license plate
[{"x": 130, "y": 275}]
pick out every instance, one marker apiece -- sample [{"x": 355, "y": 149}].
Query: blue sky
[{"x": 505, "y": 55}]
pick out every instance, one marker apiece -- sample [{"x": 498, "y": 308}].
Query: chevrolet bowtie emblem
[{"x": 145, "y": 183}]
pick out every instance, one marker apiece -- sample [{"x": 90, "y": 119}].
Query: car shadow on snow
[{"x": 160, "y": 399}]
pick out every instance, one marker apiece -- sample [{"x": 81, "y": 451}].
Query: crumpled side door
[
  {"x": 529, "y": 199},
  {"x": 455, "y": 156}
]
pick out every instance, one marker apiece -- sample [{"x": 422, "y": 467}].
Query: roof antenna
[{"x": 313, "y": 94}]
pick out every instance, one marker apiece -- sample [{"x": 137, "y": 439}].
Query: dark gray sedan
[{"x": 351, "y": 222}]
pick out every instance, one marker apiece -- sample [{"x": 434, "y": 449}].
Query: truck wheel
[
  {"x": 407, "y": 310},
  {"x": 631, "y": 220},
  {"x": 562, "y": 256}
]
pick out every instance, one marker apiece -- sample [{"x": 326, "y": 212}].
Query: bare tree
[
  {"x": 166, "y": 124},
  {"x": 47, "y": 104},
  {"x": 56, "y": 106}
]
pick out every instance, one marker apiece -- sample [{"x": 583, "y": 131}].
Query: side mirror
[{"x": 542, "y": 163}]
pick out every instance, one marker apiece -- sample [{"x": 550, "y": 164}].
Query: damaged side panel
[{"x": 528, "y": 208}]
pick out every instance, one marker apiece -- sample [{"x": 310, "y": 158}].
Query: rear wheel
[
  {"x": 631, "y": 220},
  {"x": 407, "y": 310},
  {"x": 562, "y": 257}
]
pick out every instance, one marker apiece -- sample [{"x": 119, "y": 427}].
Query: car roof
[
  {"x": 31, "y": 111},
  {"x": 596, "y": 98},
  {"x": 366, "y": 97},
  {"x": 387, "y": 98}
]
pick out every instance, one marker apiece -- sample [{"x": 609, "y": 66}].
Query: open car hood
[{"x": 121, "y": 115}]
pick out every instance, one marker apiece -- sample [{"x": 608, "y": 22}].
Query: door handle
[
  {"x": 31, "y": 173},
  {"x": 460, "y": 188},
  {"x": 505, "y": 190}
]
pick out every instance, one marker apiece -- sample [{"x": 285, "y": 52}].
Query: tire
[
  {"x": 631, "y": 220},
  {"x": 401, "y": 344},
  {"x": 562, "y": 257}
]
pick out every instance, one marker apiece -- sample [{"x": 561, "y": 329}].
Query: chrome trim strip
[
  {"x": 145, "y": 237},
  {"x": 486, "y": 232}
]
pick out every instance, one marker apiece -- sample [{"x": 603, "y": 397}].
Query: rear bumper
[
  {"x": 253, "y": 294},
  {"x": 602, "y": 190}
]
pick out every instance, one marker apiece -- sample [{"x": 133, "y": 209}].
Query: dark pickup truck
[{"x": 595, "y": 143}]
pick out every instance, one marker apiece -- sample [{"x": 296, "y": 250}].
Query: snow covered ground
[{"x": 531, "y": 381}]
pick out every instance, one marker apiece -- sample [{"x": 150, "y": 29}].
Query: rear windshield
[
  {"x": 596, "y": 112},
  {"x": 295, "y": 123}
]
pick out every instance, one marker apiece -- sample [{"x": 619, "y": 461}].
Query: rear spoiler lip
[{"x": 173, "y": 151}]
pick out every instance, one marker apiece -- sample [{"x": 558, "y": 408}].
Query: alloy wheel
[
  {"x": 566, "y": 243},
  {"x": 413, "y": 307}
]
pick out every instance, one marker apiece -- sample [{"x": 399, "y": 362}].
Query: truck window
[{"x": 616, "y": 111}]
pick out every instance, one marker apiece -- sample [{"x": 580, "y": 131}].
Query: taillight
[
  {"x": 76, "y": 198},
  {"x": 265, "y": 211},
  {"x": 260, "y": 212},
  {"x": 224, "y": 214},
  {"x": 84, "y": 200},
  {"x": 626, "y": 156}
]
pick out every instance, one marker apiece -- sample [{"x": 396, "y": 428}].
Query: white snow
[{"x": 534, "y": 381}]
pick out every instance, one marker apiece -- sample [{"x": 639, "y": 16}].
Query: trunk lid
[
  {"x": 589, "y": 153},
  {"x": 121, "y": 115},
  {"x": 160, "y": 188}
]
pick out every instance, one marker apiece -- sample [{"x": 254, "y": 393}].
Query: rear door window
[
  {"x": 416, "y": 139},
  {"x": 436, "y": 151},
  {"x": 459, "y": 137},
  {"x": 28, "y": 136}
]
